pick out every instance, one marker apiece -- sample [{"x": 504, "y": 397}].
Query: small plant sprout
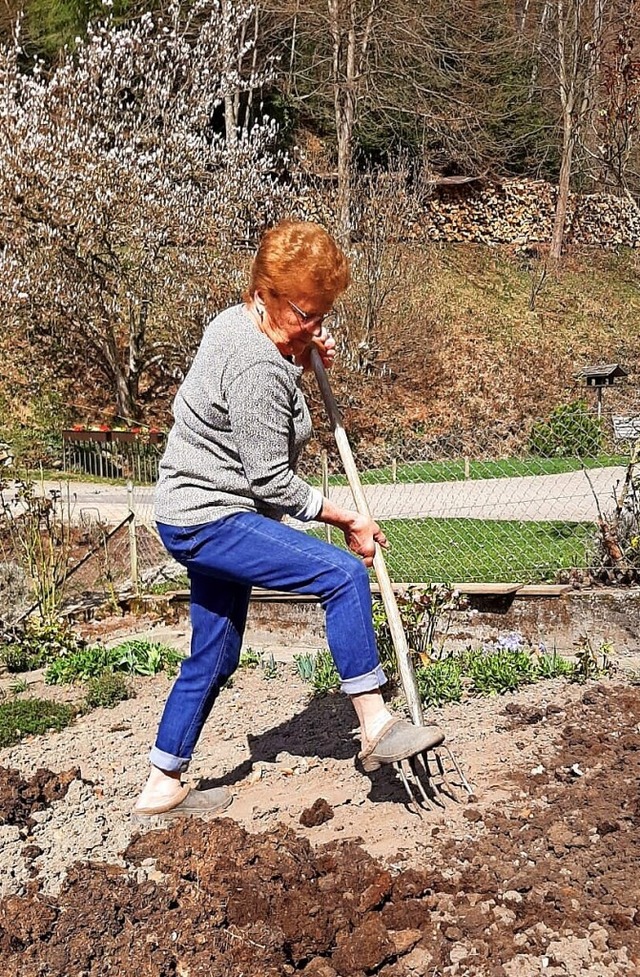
[
  {"x": 269, "y": 666},
  {"x": 250, "y": 658},
  {"x": 592, "y": 662},
  {"x": 319, "y": 670},
  {"x": 305, "y": 666}
]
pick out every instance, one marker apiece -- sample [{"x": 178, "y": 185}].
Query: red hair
[{"x": 299, "y": 256}]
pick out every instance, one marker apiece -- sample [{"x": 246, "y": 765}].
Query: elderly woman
[{"x": 226, "y": 480}]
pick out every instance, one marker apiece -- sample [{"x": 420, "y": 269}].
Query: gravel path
[{"x": 570, "y": 496}]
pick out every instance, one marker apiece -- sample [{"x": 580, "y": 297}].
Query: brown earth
[
  {"x": 20, "y": 797},
  {"x": 543, "y": 879}
]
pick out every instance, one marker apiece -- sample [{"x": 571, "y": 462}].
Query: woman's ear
[{"x": 258, "y": 304}]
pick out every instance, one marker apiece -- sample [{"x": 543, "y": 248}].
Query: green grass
[
  {"x": 169, "y": 586},
  {"x": 485, "y": 550},
  {"x": 454, "y": 471}
]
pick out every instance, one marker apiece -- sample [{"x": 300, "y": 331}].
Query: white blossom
[{"x": 121, "y": 203}]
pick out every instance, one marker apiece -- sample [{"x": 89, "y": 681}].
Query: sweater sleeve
[{"x": 259, "y": 403}]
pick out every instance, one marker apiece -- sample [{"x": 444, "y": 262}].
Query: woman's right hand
[
  {"x": 361, "y": 532},
  {"x": 361, "y": 536}
]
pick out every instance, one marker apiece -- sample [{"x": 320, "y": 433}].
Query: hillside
[
  {"x": 460, "y": 364},
  {"x": 469, "y": 366}
]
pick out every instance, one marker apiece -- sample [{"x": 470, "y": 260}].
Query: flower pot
[{"x": 87, "y": 435}]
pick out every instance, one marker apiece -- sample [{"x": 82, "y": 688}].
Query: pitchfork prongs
[{"x": 427, "y": 779}]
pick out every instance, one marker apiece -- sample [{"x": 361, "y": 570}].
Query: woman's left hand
[{"x": 326, "y": 346}]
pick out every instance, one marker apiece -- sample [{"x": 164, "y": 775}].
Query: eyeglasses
[{"x": 311, "y": 319}]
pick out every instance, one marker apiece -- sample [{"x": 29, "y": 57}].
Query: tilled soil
[
  {"x": 19, "y": 798},
  {"x": 542, "y": 878}
]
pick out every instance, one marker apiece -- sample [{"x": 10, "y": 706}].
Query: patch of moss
[{"x": 26, "y": 717}]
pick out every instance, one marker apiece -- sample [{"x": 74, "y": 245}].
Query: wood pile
[
  {"x": 516, "y": 212},
  {"x": 521, "y": 212}
]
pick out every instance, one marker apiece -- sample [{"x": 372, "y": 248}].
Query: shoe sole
[{"x": 180, "y": 813}]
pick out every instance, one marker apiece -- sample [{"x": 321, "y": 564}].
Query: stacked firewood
[{"x": 522, "y": 212}]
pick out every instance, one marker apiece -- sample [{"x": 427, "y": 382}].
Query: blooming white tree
[{"x": 121, "y": 200}]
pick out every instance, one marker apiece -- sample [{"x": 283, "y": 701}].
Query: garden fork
[{"x": 431, "y": 777}]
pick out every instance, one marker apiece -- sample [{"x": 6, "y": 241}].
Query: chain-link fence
[{"x": 563, "y": 507}]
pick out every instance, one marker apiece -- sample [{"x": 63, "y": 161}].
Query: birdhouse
[
  {"x": 603, "y": 376},
  {"x": 599, "y": 377}
]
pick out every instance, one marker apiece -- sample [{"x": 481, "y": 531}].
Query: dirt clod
[{"x": 319, "y": 812}]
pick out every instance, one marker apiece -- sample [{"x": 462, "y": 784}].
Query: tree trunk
[
  {"x": 560, "y": 219},
  {"x": 350, "y": 49},
  {"x": 127, "y": 407},
  {"x": 231, "y": 56}
]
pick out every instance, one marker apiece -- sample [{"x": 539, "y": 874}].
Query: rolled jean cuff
[
  {"x": 364, "y": 683},
  {"x": 166, "y": 761}
]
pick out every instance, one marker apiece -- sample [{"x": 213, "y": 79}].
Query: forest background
[{"x": 144, "y": 147}]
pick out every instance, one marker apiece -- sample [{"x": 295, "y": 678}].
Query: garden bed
[{"x": 537, "y": 873}]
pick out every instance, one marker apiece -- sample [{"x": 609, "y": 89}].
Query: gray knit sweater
[{"x": 240, "y": 424}]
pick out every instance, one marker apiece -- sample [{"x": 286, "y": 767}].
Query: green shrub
[
  {"x": 498, "y": 671},
  {"x": 135, "y": 657},
  {"x": 38, "y": 645},
  {"x": 423, "y": 610},
  {"x": 141, "y": 657},
  {"x": 571, "y": 431},
  {"x": 107, "y": 690},
  {"x": 25, "y": 717},
  {"x": 79, "y": 666}
]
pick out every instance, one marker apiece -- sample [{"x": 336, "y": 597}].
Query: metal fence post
[{"x": 133, "y": 541}]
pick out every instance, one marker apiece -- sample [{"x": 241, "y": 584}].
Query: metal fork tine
[
  {"x": 424, "y": 779},
  {"x": 413, "y": 763},
  {"x": 426, "y": 775},
  {"x": 423, "y": 802},
  {"x": 407, "y": 786},
  {"x": 444, "y": 784},
  {"x": 458, "y": 769}
]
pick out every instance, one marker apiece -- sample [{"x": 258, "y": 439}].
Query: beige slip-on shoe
[
  {"x": 189, "y": 803},
  {"x": 397, "y": 740}
]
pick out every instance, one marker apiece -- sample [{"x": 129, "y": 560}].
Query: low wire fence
[
  {"x": 112, "y": 454},
  {"x": 565, "y": 508}
]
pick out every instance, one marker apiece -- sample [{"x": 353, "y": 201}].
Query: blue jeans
[{"x": 224, "y": 559}]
